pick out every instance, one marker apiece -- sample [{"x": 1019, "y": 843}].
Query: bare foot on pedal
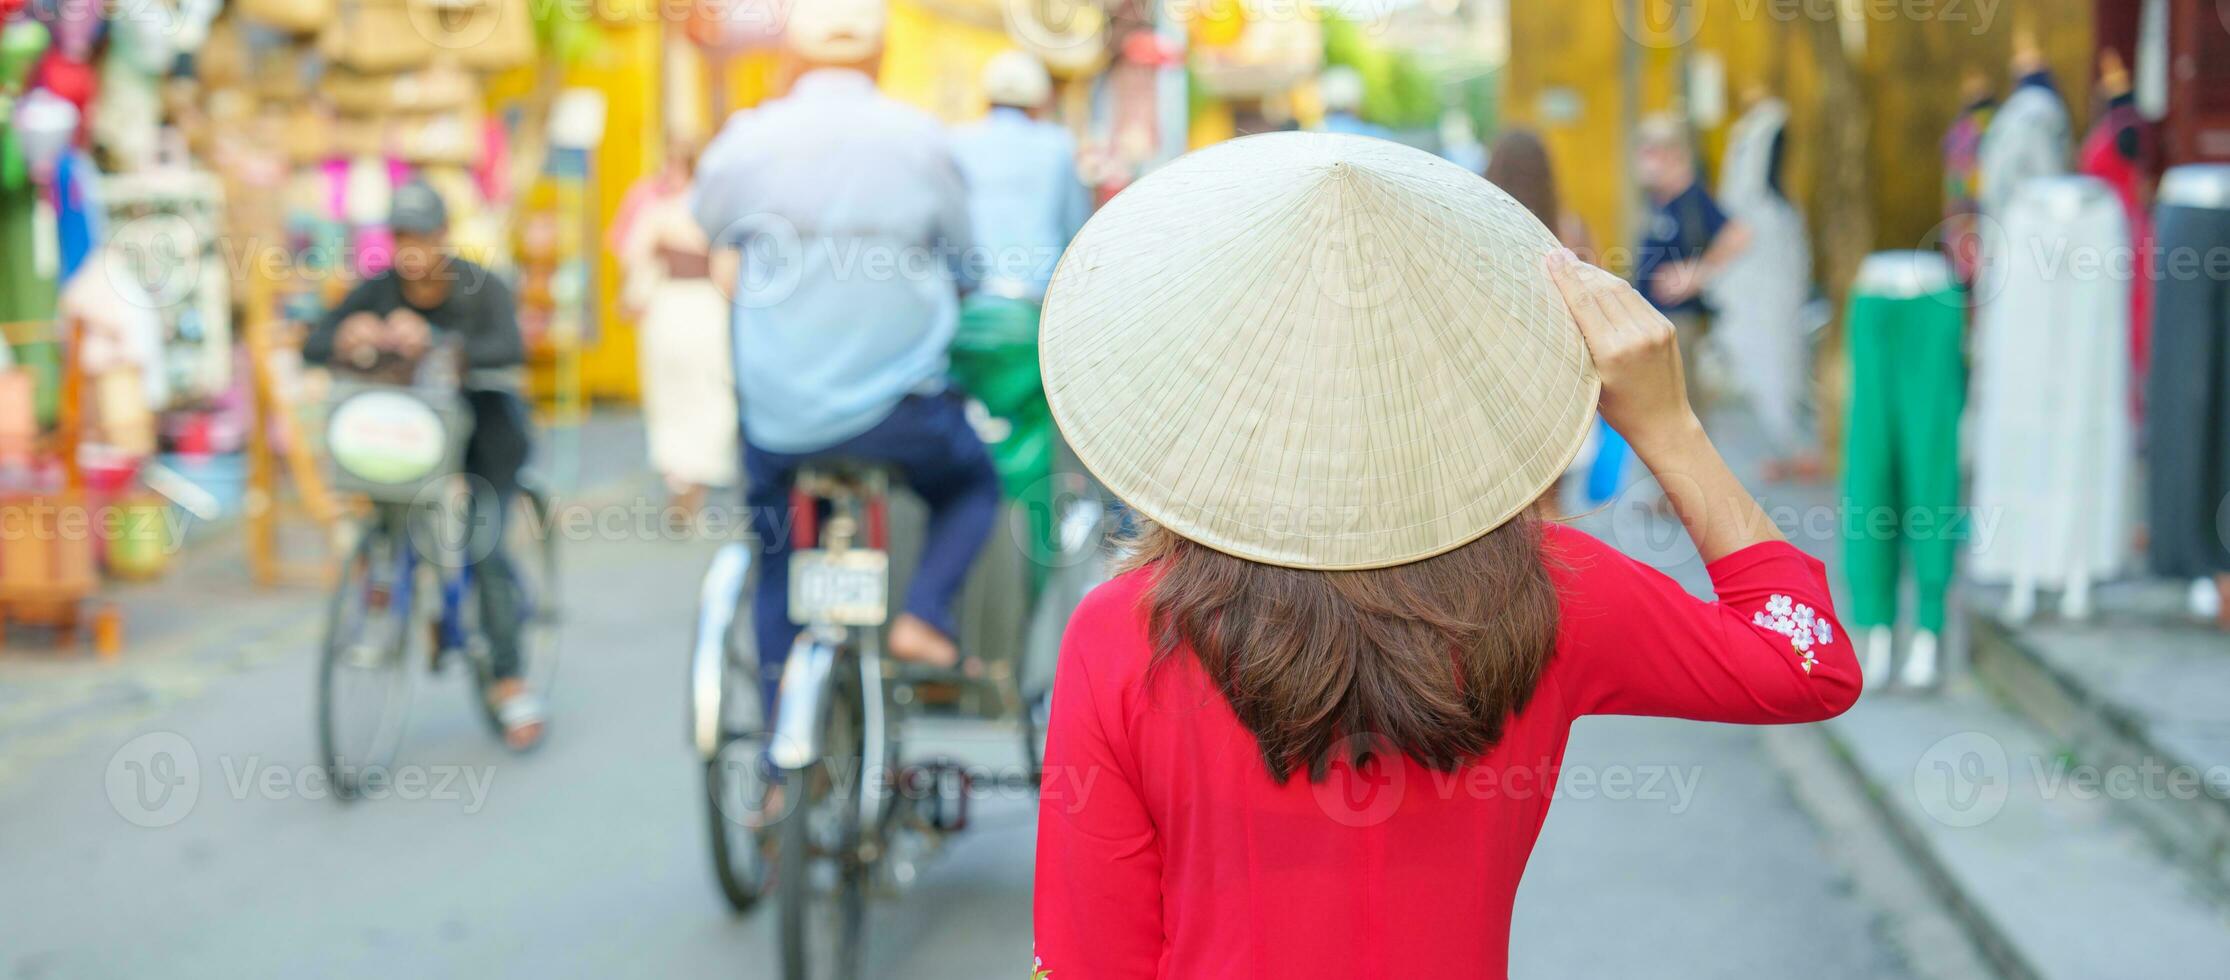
[{"x": 913, "y": 640}]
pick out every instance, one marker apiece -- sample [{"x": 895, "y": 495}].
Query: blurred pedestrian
[
  {"x": 1519, "y": 164},
  {"x": 1686, "y": 240},
  {"x": 852, "y": 220},
  {"x": 1459, "y": 140},
  {"x": 1340, "y": 89},
  {"x": 1314, "y": 730},
  {"x": 1025, "y": 202},
  {"x": 689, "y": 400}
]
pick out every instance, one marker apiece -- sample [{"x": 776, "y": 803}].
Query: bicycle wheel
[
  {"x": 364, "y": 671},
  {"x": 735, "y": 784},
  {"x": 531, "y": 542},
  {"x": 821, "y": 884}
]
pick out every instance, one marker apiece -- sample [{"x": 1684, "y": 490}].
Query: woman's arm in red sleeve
[
  {"x": 1633, "y": 642},
  {"x": 1098, "y": 900}
]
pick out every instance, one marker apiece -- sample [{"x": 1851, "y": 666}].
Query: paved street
[{"x": 587, "y": 859}]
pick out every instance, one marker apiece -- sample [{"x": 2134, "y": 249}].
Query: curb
[
  {"x": 2104, "y": 733},
  {"x": 2000, "y": 951}
]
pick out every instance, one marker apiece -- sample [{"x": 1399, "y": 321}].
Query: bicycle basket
[{"x": 389, "y": 442}]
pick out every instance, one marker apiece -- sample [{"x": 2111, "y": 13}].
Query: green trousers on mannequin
[{"x": 1901, "y": 465}]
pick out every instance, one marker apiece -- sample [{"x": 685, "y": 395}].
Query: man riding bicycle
[
  {"x": 395, "y": 317},
  {"x": 852, "y": 220}
]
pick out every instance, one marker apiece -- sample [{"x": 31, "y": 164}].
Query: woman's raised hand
[
  {"x": 1645, "y": 398},
  {"x": 1637, "y": 354}
]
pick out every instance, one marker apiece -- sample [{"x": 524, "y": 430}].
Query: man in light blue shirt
[
  {"x": 1024, "y": 198},
  {"x": 852, "y": 221},
  {"x": 1026, "y": 203}
]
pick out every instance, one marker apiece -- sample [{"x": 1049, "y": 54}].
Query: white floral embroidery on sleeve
[{"x": 1799, "y": 623}]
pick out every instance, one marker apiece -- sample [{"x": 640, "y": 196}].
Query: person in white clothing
[{"x": 689, "y": 399}]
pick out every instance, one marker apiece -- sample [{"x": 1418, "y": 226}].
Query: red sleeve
[
  {"x": 1098, "y": 899},
  {"x": 1633, "y": 642}
]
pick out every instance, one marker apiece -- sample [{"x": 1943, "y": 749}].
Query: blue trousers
[{"x": 927, "y": 437}]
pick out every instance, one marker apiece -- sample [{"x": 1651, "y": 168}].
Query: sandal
[{"x": 523, "y": 719}]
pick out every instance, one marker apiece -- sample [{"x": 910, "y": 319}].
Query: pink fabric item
[
  {"x": 493, "y": 173},
  {"x": 375, "y": 250},
  {"x": 70, "y": 79},
  {"x": 336, "y": 187},
  {"x": 2101, "y": 157}
]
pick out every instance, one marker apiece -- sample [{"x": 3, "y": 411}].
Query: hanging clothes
[
  {"x": 1962, "y": 145},
  {"x": 1907, "y": 324},
  {"x": 119, "y": 330},
  {"x": 1759, "y": 295},
  {"x": 25, "y": 293},
  {"x": 2054, "y": 451},
  {"x": 2027, "y": 138},
  {"x": 2119, "y": 151},
  {"x": 77, "y": 210},
  {"x": 2188, "y": 433}
]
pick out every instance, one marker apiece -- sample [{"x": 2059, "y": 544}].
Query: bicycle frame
[
  {"x": 822, "y": 649},
  {"x": 795, "y": 743},
  {"x": 397, "y": 519}
]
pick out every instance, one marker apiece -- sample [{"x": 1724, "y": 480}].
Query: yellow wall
[
  {"x": 935, "y": 59},
  {"x": 1572, "y": 50},
  {"x": 625, "y": 69},
  {"x": 1909, "y": 72},
  {"x": 1914, "y": 72}
]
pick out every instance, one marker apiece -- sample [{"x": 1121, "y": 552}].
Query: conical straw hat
[{"x": 1319, "y": 351}]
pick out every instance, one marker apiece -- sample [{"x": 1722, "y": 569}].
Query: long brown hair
[
  {"x": 1428, "y": 659},
  {"x": 1519, "y": 164}
]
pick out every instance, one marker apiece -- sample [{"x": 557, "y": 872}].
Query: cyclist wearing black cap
[{"x": 397, "y": 314}]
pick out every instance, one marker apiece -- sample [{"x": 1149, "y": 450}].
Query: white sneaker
[
  {"x": 1873, "y": 663},
  {"x": 1920, "y": 662}
]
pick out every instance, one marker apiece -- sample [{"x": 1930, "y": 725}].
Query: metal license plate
[{"x": 843, "y": 588}]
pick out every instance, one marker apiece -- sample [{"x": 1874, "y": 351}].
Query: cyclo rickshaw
[{"x": 860, "y": 814}]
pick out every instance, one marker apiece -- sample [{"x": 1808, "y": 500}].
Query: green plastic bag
[{"x": 995, "y": 360}]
